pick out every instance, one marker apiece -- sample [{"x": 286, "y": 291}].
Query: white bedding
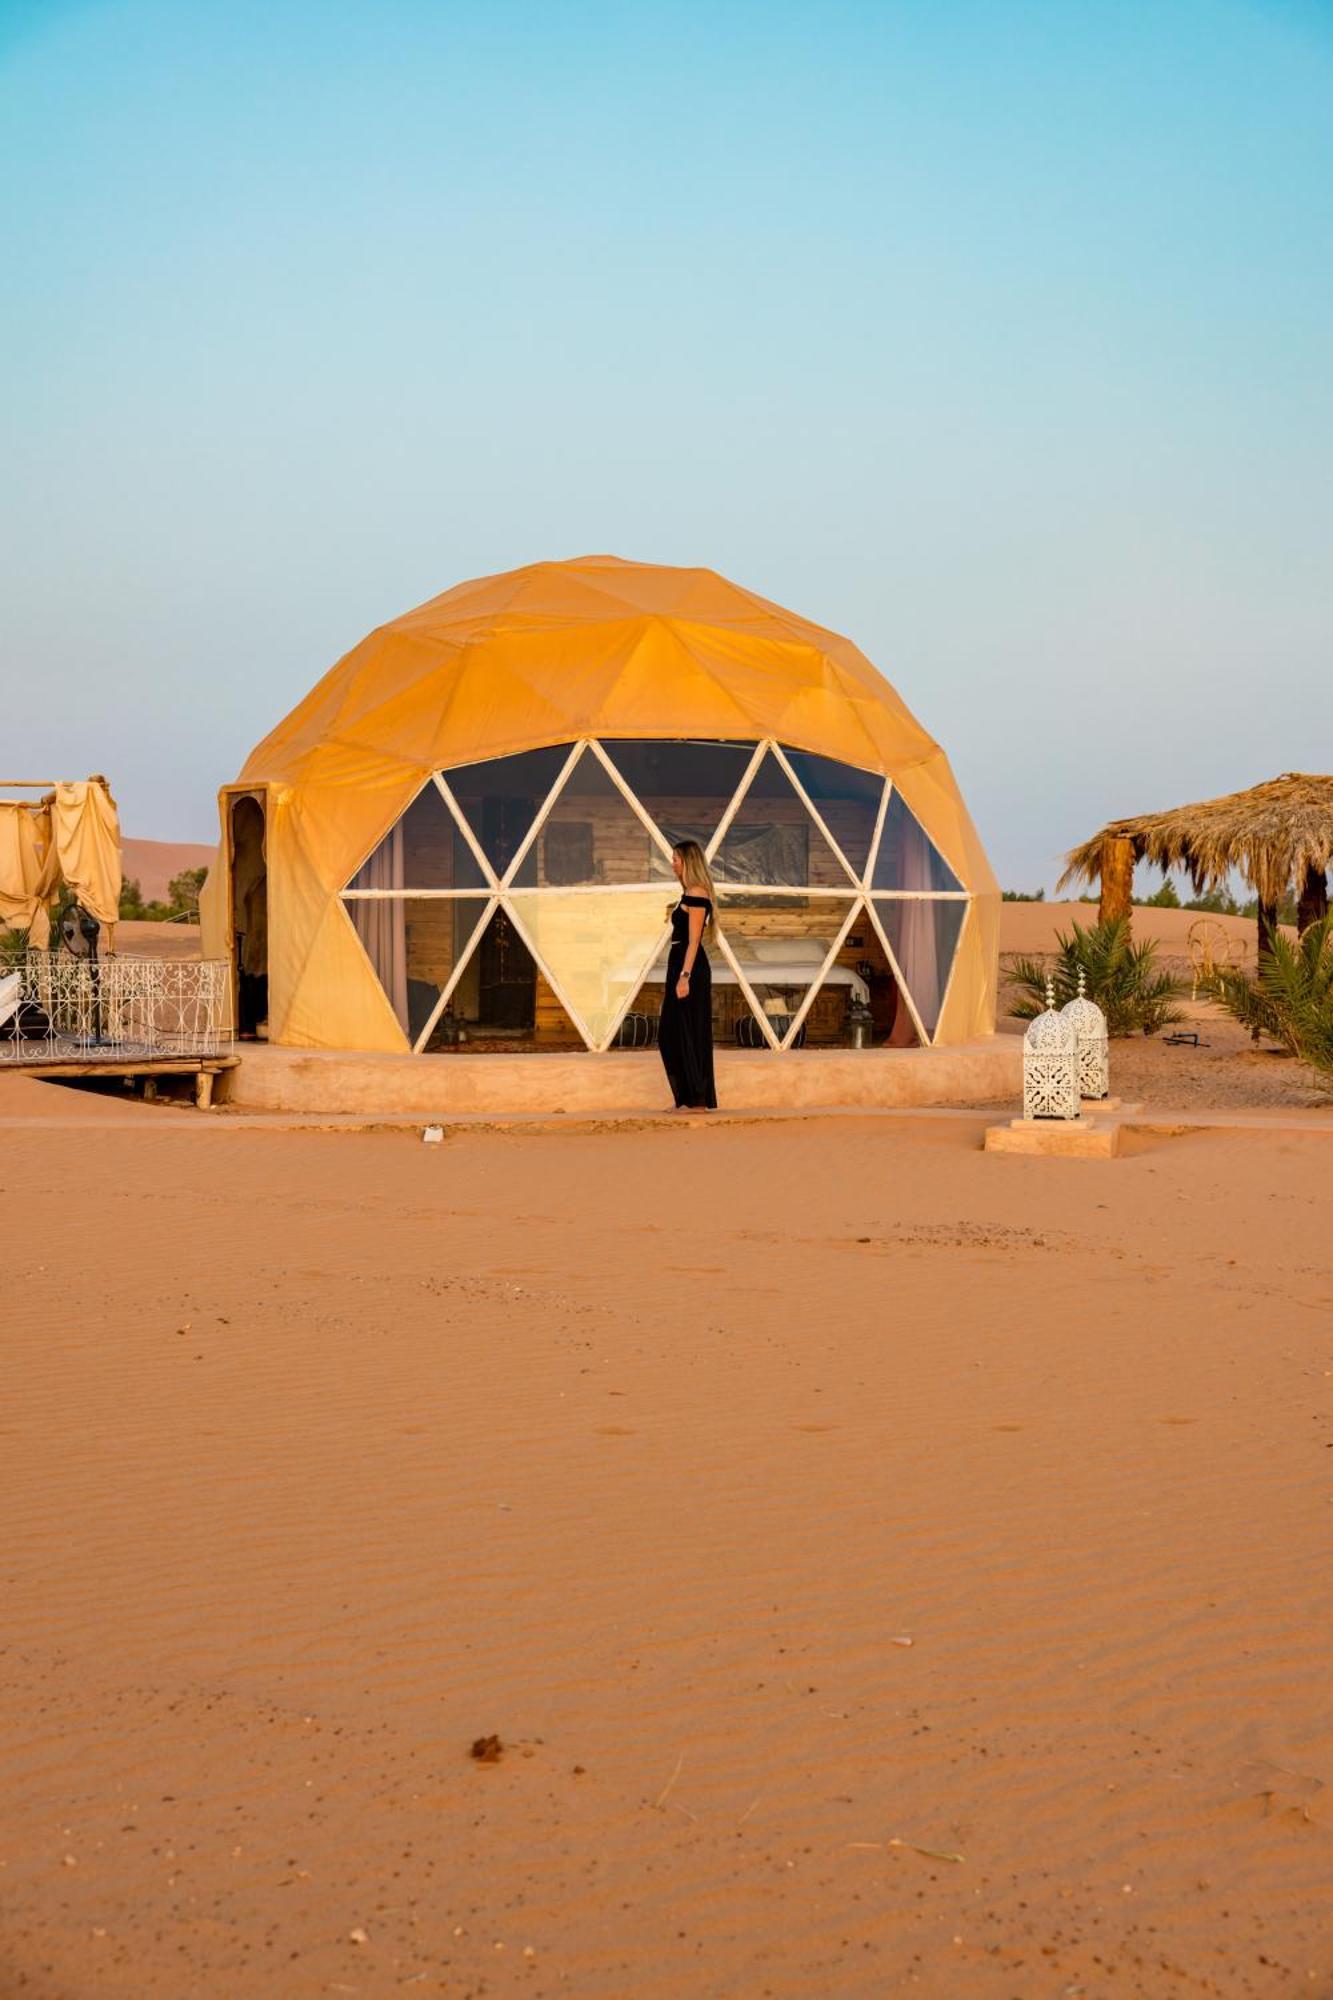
[{"x": 778, "y": 962}]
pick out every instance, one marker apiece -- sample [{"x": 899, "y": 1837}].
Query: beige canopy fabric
[
  {"x": 28, "y": 867},
  {"x": 86, "y": 828},
  {"x": 546, "y": 655},
  {"x": 72, "y": 835}
]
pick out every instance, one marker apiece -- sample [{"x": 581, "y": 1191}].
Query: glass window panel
[
  {"x": 781, "y": 944},
  {"x": 640, "y": 1025},
  {"x": 501, "y": 798},
  {"x": 923, "y": 937},
  {"x": 594, "y": 947},
  {"x": 592, "y": 834},
  {"x": 773, "y": 840},
  {"x": 891, "y": 1024},
  {"x": 846, "y": 799},
  {"x": 501, "y": 1002},
  {"x": 414, "y": 943},
  {"x": 427, "y": 849},
  {"x": 495, "y": 1001},
  {"x": 907, "y": 859},
  {"x": 685, "y": 787}
]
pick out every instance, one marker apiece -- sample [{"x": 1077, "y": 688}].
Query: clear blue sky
[{"x": 997, "y": 336}]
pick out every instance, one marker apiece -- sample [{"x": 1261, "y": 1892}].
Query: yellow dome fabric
[{"x": 549, "y": 654}]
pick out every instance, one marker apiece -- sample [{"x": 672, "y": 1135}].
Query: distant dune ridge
[{"x": 152, "y": 863}]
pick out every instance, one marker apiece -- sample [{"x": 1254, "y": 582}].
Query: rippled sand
[{"x": 649, "y": 1452}]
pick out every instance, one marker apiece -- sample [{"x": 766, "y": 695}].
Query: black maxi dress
[{"x": 685, "y": 1027}]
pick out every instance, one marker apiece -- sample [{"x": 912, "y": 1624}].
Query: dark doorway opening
[
  {"x": 249, "y": 915},
  {"x": 507, "y": 980}
]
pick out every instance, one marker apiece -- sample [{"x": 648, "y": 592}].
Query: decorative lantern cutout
[
  {"x": 1094, "y": 1055},
  {"x": 1050, "y": 1065}
]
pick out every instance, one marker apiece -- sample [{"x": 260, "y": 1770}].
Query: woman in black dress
[{"x": 685, "y": 1029}]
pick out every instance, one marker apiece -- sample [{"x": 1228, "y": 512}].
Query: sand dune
[
  {"x": 328, "y": 1455},
  {"x": 1032, "y": 927},
  {"x": 152, "y": 863}
]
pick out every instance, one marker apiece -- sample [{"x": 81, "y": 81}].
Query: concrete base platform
[
  {"x": 1055, "y": 1139},
  {"x": 623, "y": 1080}
]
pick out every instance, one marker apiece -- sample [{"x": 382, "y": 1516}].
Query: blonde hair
[{"x": 694, "y": 876}]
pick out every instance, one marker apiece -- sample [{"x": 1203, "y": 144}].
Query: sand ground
[{"x": 648, "y": 1451}]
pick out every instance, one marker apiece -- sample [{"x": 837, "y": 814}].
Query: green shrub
[
  {"x": 1290, "y": 997},
  {"x": 13, "y": 948},
  {"x": 1123, "y": 977}
]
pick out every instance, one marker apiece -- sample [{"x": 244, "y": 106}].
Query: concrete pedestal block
[{"x": 1055, "y": 1139}]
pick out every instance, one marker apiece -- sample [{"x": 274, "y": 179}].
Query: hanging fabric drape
[
  {"x": 29, "y": 869},
  {"x": 71, "y": 835},
  {"x": 86, "y": 831},
  {"x": 919, "y": 956}
]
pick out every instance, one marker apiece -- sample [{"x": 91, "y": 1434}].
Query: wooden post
[
  {"x": 1267, "y": 928},
  {"x": 1117, "y": 878},
  {"x": 1312, "y": 903}
]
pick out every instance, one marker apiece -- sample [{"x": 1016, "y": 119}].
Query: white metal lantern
[
  {"x": 1050, "y": 1065},
  {"x": 1094, "y": 1054}
]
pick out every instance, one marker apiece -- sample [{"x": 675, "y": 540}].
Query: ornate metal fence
[{"x": 67, "y": 1009}]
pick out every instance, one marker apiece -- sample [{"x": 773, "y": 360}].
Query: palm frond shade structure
[
  {"x": 1276, "y": 836},
  {"x": 467, "y": 829}
]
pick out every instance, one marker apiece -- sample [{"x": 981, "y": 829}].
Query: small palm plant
[
  {"x": 1290, "y": 997},
  {"x": 13, "y": 948},
  {"x": 1133, "y": 991}
]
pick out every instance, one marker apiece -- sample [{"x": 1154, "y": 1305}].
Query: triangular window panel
[
  {"x": 502, "y": 797},
  {"x": 493, "y": 1005},
  {"x": 593, "y": 947},
  {"x": 846, "y": 799},
  {"x": 879, "y": 991},
  {"x": 773, "y": 842},
  {"x": 426, "y": 849},
  {"x": 923, "y": 937},
  {"x": 591, "y": 836},
  {"x": 907, "y": 859},
  {"x": 781, "y": 947},
  {"x": 685, "y": 787},
  {"x": 415, "y": 944}
]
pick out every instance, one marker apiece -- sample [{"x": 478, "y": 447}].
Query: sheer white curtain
[
  {"x": 919, "y": 954},
  {"x": 381, "y": 924}
]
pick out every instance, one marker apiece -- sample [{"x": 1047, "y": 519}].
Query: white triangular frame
[
  {"x": 710, "y": 846},
  {"x": 770, "y": 743},
  {"x": 850, "y": 896},
  {"x": 478, "y": 852},
  {"x": 798, "y": 1020},
  {"x": 492, "y": 902},
  {"x": 859, "y": 894},
  {"x": 958, "y": 895},
  {"x": 724, "y": 824},
  {"x": 927, "y": 1041},
  {"x": 957, "y": 954},
  {"x": 634, "y": 992},
  {"x": 857, "y": 881},
  {"x": 590, "y": 1042}
]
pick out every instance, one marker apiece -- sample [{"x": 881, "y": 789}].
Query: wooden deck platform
[{"x": 202, "y": 1068}]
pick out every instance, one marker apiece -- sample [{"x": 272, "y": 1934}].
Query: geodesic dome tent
[{"x": 468, "y": 825}]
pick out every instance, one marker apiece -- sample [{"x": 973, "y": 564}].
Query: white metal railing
[{"x": 74, "y": 1010}]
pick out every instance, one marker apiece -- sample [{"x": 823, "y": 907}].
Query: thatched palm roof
[{"x": 1272, "y": 834}]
